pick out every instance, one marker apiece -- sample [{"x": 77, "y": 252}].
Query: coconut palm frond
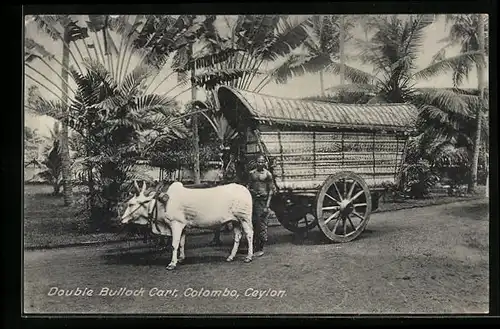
[
  {"x": 352, "y": 74},
  {"x": 298, "y": 65},
  {"x": 354, "y": 88},
  {"x": 450, "y": 64},
  {"x": 444, "y": 99},
  {"x": 290, "y": 34}
]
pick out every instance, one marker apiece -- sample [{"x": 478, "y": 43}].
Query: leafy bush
[
  {"x": 175, "y": 154},
  {"x": 392, "y": 190},
  {"x": 418, "y": 178}
]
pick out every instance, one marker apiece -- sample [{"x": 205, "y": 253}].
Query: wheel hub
[{"x": 346, "y": 208}]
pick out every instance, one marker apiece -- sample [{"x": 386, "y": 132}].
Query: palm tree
[
  {"x": 180, "y": 39},
  {"x": 245, "y": 46},
  {"x": 323, "y": 51},
  {"x": 65, "y": 29},
  {"x": 53, "y": 160},
  {"x": 113, "y": 118},
  {"x": 235, "y": 57},
  {"x": 392, "y": 51},
  {"x": 469, "y": 32},
  {"x": 99, "y": 43}
]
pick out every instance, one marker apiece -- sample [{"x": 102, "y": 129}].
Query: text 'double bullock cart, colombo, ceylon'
[{"x": 329, "y": 161}]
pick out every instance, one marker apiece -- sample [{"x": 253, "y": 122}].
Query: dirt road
[{"x": 426, "y": 260}]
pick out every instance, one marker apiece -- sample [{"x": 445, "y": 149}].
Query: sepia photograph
[{"x": 226, "y": 164}]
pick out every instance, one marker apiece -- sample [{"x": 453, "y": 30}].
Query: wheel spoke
[
  {"x": 345, "y": 226},
  {"x": 355, "y": 213},
  {"x": 359, "y": 205},
  {"x": 335, "y": 214},
  {"x": 331, "y": 208},
  {"x": 336, "y": 225},
  {"x": 345, "y": 189},
  {"x": 337, "y": 190},
  {"x": 350, "y": 221},
  {"x": 332, "y": 198},
  {"x": 351, "y": 189},
  {"x": 357, "y": 195}
]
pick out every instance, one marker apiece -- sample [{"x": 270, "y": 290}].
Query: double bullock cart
[{"x": 329, "y": 161}]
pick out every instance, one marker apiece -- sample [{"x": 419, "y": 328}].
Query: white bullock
[{"x": 170, "y": 213}]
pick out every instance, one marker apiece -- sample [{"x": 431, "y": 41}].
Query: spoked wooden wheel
[
  {"x": 296, "y": 216},
  {"x": 343, "y": 206},
  {"x": 298, "y": 224}
]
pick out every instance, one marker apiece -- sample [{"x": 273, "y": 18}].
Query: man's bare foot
[{"x": 259, "y": 253}]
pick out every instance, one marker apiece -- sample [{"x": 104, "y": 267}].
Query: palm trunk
[
  {"x": 65, "y": 159},
  {"x": 196, "y": 138},
  {"x": 341, "y": 48},
  {"x": 487, "y": 172},
  {"x": 481, "y": 85},
  {"x": 322, "y": 83}
]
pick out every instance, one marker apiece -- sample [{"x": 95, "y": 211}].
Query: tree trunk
[
  {"x": 322, "y": 83},
  {"x": 487, "y": 170},
  {"x": 341, "y": 49},
  {"x": 481, "y": 86},
  {"x": 65, "y": 158},
  {"x": 56, "y": 188},
  {"x": 196, "y": 138}
]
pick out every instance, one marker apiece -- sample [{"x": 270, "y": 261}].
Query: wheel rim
[{"x": 343, "y": 206}]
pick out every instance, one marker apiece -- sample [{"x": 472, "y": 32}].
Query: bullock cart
[{"x": 329, "y": 161}]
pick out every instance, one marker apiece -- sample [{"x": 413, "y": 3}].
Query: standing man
[{"x": 260, "y": 184}]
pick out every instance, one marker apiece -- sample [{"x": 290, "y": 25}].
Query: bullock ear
[
  {"x": 136, "y": 186},
  {"x": 143, "y": 187}
]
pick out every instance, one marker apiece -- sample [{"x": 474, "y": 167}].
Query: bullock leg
[
  {"x": 182, "y": 256},
  {"x": 177, "y": 229},
  {"x": 248, "y": 229},
  {"x": 237, "y": 238}
]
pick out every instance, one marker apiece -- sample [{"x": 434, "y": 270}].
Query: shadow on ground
[
  {"x": 316, "y": 237},
  {"x": 156, "y": 257}
]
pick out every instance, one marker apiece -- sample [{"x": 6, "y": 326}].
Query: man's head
[{"x": 261, "y": 162}]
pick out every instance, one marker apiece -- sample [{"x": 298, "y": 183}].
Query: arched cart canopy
[{"x": 277, "y": 110}]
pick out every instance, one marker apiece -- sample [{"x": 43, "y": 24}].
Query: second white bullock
[{"x": 180, "y": 207}]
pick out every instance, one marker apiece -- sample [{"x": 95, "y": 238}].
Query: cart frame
[{"x": 329, "y": 161}]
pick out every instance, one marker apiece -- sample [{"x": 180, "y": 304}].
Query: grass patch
[{"x": 47, "y": 222}]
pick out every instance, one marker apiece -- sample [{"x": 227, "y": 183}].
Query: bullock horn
[
  {"x": 143, "y": 187},
  {"x": 136, "y": 186}
]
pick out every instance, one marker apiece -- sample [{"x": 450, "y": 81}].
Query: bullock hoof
[
  {"x": 170, "y": 267},
  {"x": 229, "y": 259},
  {"x": 180, "y": 260},
  {"x": 247, "y": 259}
]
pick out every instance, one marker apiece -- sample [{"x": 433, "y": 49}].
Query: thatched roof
[{"x": 277, "y": 110}]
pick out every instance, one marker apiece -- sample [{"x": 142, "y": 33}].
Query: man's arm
[
  {"x": 270, "y": 188},
  {"x": 249, "y": 180}
]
